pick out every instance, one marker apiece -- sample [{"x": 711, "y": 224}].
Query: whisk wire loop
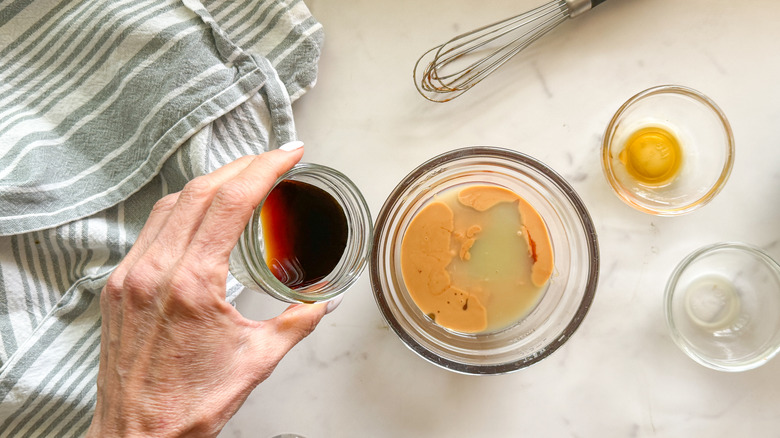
[
  {"x": 449, "y": 69},
  {"x": 503, "y": 54}
]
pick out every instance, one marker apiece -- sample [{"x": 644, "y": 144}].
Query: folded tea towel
[{"x": 105, "y": 107}]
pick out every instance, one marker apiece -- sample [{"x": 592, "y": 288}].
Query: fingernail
[
  {"x": 332, "y": 304},
  {"x": 291, "y": 146}
]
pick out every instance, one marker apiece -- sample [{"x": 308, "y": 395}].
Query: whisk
[{"x": 450, "y": 69}]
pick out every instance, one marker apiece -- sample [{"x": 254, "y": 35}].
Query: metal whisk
[{"x": 450, "y": 69}]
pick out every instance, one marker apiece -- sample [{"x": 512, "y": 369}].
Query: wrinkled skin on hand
[{"x": 176, "y": 359}]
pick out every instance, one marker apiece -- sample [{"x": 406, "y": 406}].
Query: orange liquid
[
  {"x": 476, "y": 258},
  {"x": 304, "y": 233},
  {"x": 652, "y": 156}
]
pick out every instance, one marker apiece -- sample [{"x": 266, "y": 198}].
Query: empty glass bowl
[
  {"x": 722, "y": 306},
  {"x": 570, "y": 290},
  {"x": 697, "y": 170}
]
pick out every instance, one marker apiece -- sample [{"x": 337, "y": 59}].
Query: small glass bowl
[
  {"x": 570, "y": 290},
  {"x": 247, "y": 260},
  {"x": 722, "y": 306},
  {"x": 706, "y": 141}
]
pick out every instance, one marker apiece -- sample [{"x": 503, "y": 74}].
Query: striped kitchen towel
[{"x": 105, "y": 107}]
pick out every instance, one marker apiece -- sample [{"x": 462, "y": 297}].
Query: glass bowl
[
  {"x": 722, "y": 306},
  {"x": 569, "y": 292},
  {"x": 706, "y": 150}
]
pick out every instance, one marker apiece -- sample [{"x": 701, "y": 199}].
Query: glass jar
[{"x": 248, "y": 261}]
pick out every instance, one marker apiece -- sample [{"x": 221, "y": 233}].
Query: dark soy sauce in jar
[{"x": 305, "y": 233}]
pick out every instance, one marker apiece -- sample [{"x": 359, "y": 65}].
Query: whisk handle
[{"x": 577, "y": 7}]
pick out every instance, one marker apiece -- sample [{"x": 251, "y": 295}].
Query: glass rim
[
  {"x": 312, "y": 293},
  {"x": 671, "y": 286},
  {"x": 543, "y": 170},
  {"x": 716, "y": 187}
]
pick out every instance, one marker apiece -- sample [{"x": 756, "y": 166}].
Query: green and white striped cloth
[{"x": 105, "y": 107}]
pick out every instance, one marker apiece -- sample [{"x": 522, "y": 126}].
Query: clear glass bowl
[
  {"x": 570, "y": 290},
  {"x": 707, "y": 146},
  {"x": 722, "y": 306},
  {"x": 247, "y": 260}
]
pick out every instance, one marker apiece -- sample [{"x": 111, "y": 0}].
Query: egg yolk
[{"x": 652, "y": 156}]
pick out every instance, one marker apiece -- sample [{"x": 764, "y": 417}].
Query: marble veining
[{"x": 620, "y": 375}]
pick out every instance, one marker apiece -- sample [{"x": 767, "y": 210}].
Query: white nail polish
[
  {"x": 332, "y": 304},
  {"x": 291, "y": 146}
]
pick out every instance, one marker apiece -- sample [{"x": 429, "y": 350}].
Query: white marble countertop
[{"x": 620, "y": 375}]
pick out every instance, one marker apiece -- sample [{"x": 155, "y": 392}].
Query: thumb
[{"x": 276, "y": 336}]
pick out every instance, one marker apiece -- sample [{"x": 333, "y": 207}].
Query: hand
[{"x": 175, "y": 358}]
